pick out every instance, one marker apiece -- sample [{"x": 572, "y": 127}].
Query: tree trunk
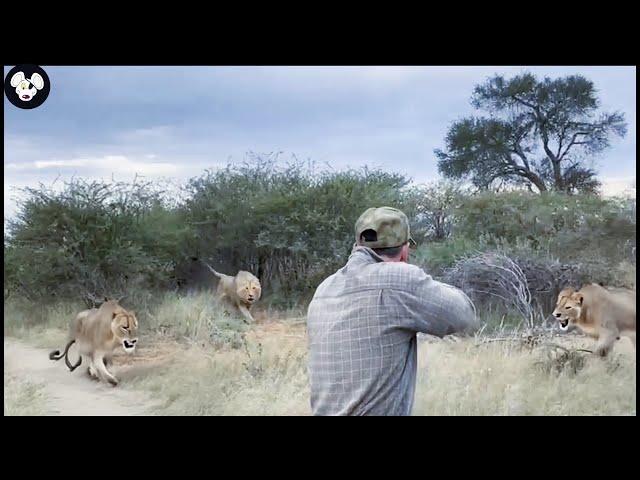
[
  {"x": 557, "y": 175},
  {"x": 536, "y": 180},
  {"x": 555, "y": 162}
]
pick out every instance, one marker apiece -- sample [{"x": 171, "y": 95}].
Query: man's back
[{"x": 362, "y": 325}]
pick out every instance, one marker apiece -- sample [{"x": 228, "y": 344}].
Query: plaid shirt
[{"x": 362, "y": 325}]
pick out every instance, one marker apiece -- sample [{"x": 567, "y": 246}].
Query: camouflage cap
[{"x": 390, "y": 227}]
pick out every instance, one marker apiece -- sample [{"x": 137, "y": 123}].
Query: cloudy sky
[{"x": 173, "y": 122}]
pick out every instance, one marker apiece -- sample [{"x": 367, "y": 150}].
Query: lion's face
[
  {"x": 124, "y": 326},
  {"x": 568, "y": 308},
  {"x": 248, "y": 288}
]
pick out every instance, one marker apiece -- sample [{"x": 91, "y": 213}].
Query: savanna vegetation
[
  {"x": 292, "y": 226},
  {"x": 507, "y": 228}
]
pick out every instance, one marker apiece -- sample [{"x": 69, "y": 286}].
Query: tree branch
[
  {"x": 523, "y": 102},
  {"x": 561, "y": 138},
  {"x": 572, "y": 143},
  {"x": 518, "y": 151}
]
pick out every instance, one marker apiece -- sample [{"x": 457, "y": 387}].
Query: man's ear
[{"x": 404, "y": 254}]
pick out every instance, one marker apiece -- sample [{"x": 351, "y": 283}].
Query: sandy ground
[
  {"x": 73, "y": 394},
  {"x": 462, "y": 378}
]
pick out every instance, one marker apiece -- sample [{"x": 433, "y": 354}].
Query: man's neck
[{"x": 376, "y": 256}]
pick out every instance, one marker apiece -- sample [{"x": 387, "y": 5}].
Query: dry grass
[
  {"x": 200, "y": 361},
  {"x": 503, "y": 378},
  {"x": 37, "y": 324},
  {"x": 23, "y": 398},
  {"x": 455, "y": 378},
  {"x": 267, "y": 376}
]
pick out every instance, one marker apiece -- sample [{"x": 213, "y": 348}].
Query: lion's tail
[
  {"x": 56, "y": 355},
  {"x": 219, "y": 275}
]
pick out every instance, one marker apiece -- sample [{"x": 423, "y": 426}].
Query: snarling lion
[
  {"x": 98, "y": 332},
  {"x": 604, "y": 314},
  {"x": 241, "y": 290}
]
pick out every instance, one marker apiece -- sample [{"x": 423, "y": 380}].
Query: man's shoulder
[
  {"x": 401, "y": 270},
  {"x": 327, "y": 283},
  {"x": 394, "y": 275},
  {"x": 391, "y": 275},
  {"x": 407, "y": 268}
]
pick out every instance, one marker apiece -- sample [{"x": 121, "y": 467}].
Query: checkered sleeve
[{"x": 442, "y": 309}]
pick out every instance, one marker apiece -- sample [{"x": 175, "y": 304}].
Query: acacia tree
[{"x": 538, "y": 134}]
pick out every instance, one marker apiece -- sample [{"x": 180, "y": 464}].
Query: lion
[
  {"x": 98, "y": 332},
  {"x": 241, "y": 290},
  {"x": 604, "y": 314}
]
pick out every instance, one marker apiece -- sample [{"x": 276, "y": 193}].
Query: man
[{"x": 363, "y": 320}]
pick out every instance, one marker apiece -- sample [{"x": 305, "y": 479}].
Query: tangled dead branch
[{"x": 495, "y": 275}]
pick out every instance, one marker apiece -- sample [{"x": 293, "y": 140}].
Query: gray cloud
[{"x": 177, "y": 121}]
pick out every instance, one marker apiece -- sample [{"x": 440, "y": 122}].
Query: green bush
[
  {"x": 563, "y": 226},
  {"x": 91, "y": 238},
  {"x": 435, "y": 257},
  {"x": 292, "y": 226}
]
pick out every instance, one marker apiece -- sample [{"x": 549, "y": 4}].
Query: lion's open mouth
[
  {"x": 128, "y": 345},
  {"x": 564, "y": 323}
]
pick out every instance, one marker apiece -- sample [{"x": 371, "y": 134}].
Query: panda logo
[{"x": 27, "y": 86}]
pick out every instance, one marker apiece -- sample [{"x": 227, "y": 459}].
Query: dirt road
[{"x": 69, "y": 393}]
